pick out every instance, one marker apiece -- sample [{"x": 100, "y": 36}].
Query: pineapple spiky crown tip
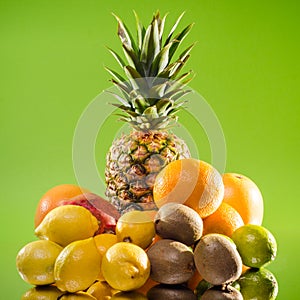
[{"x": 152, "y": 90}]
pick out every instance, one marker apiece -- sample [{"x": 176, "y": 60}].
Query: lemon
[
  {"x": 42, "y": 293},
  {"x": 129, "y": 296},
  {"x": 77, "y": 266},
  {"x": 256, "y": 245},
  {"x": 35, "y": 262},
  {"x": 67, "y": 223},
  {"x": 125, "y": 266},
  {"x": 78, "y": 296},
  {"x": 136, "y": 227},
  {"x": 103, "y": 242},
  {"x": 101, "y": 290},
  {"x": 258, "y": 284}
]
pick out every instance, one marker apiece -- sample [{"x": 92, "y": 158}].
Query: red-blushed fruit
[
  {"x": 106, "y": 214},
  {"x": 54, "y": 197}
]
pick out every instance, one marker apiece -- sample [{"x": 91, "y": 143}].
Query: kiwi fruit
[
  {"x": 162, "y": 291},
  {"x": 178, "y": 222},
  {"x": 133, "y": 295},
  {"x": 217, "y": 259},
  {"x": 172, "y": 262},
  {"x": 220, "y": 293}
]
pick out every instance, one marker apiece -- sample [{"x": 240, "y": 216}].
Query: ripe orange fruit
[
  {"x": 54, "y": 198},
  {"x": 147, "y": 286},
  {"x": 243, "y": 195},
  {"x": 225, "y": 220},
  {"x": 194, "y": 281},
  {"x": 192, "y": 182}
]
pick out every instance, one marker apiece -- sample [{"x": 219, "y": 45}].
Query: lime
[
  {"x": 202, "y": 287},
  {"x": 136, "y": 227},
  {"x": 256, "y": 245},
  {"x": 35, "y": 262},
  {"x": 77, "y": 266},
  {"x": 258, "y": 284},
  {"x": 125, "y": 266}
]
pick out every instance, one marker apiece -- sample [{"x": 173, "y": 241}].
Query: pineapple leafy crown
[{"x": 152, "y": 91}]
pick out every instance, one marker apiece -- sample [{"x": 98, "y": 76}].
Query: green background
[{"x": 51, "y": 66}]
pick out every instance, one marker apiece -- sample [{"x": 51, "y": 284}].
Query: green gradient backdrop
[{"x": 51, "y": 66}]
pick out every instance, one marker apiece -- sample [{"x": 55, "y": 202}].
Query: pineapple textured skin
[{"x": 133, "y": 162}]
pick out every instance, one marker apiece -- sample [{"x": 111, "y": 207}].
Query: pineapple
[{"x": 150, "y": 98}]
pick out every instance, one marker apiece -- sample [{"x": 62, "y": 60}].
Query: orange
[
  {"x": 192, "y": 182},
  {"x": 54, "y": 197},
  {"x": 147, "y": 286},
  {"x": 155, "y": 239},
  {"x": 244, "y": 195},
  {"x": 194, "y": 281},
  {"x": 224, "y": 220}
]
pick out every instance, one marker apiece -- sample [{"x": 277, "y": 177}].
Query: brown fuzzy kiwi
[
  {"x": 127, "y": 295},
  {"x": 178, "y": 222},
  {"x": 217, "y": 259},
  {"x": 171, "y": 262},
  {"x": 163, "y": 291},
  {"x": 220, "y": 293}
]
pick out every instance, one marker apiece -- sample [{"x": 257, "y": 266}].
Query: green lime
[
  {"x": 258, "y": 284},
  {"x": 202, "y": 287},
  {"x": 256, "y": 245}
]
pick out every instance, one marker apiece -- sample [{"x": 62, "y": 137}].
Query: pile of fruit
[
  {"x": 172, "y": 226},
  {"x": 203, "y": 248}
]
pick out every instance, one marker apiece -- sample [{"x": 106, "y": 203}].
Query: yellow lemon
[
  {"x": 67, "y": 223},
  {"x": 42, "y": 293},
  {"x": 77, "y": 266},
  {"x": 78, "y": 296},
  {"x": 101, "y": 290},
  {"x": 35, "y": 262},
  {"x": 103, "y": 242},
  {"x": 125, "y": 266},
  {"x": 136, "y": 227}
]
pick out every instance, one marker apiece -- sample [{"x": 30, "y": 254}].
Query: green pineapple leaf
[
  {"x": 173, "y": 29},
  {"x": 180, "y": 37},
  {"x": 161, "y": 60},
  {"x": 117, "y": 76},
  {"x": 151, "y": 95},
  {"x": 140, "y": 31},
  {"x": 122, "y": 87},
  {"x": 117, "y": 57},
  {"x": 162, "y": 106},
  {"x": 124, "y": 34},
  {"x": 161, "y": 26},
  {"x": 151, "y": 111},
  {"x": 186, "y": 52},
  {"x": 133, "y": 60},
  {"x": 120, "y": 99}
]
